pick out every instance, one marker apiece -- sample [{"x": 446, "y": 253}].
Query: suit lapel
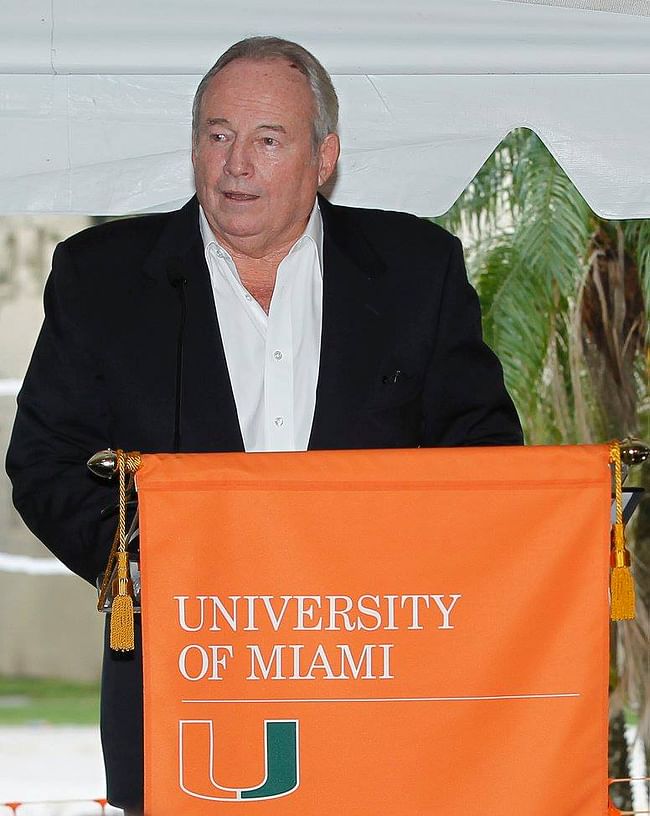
[
  {"x": 351, "y": 329},
  {"x": 209, "y": 415}
]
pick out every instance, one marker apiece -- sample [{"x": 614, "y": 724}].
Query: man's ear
[{"x": 328, "y": 155}]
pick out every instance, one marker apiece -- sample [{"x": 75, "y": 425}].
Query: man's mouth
[{"x": 231, "y": 195}]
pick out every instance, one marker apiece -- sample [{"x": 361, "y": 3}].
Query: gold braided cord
[
  {"x": 132, "y": 461},
  {"x": 121, "y": 472},
  {"x": 106, "y": 578},
  {"x": 615, "y": 458},
  {"x": 122, "y": 624},
  {"x": 621, "y": 582}
]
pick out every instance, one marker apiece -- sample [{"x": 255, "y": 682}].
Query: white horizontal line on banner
[
  {"x": 32, "y": 566},
  {"x": 9, "y": 388},
  {"x": 395, "y": 699}
]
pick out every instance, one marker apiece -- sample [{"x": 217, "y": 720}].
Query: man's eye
[
  {"x": 269, "y": 141},
  {"x": 218, "y": 137}
]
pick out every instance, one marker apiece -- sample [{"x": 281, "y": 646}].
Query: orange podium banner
[{"x": 376, "y": 633}]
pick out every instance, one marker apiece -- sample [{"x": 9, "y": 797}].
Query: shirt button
[
  {"x": 277, "y": 355},
  {"x": 219, "y": 253},
  {"x": 248, "y": 297},
  {"x": 279, "y": 421}
]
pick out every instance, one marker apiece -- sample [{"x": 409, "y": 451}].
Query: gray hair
[{"x": 326, "y": 103}]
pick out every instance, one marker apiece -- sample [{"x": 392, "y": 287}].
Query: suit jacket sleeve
[
  {"x": 465, "y": 401},
  {"x": 62, "y": 419}
]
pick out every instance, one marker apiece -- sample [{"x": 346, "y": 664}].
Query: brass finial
[
  {"x": 103, "y": 463},
  {"x": 634, "y": 451}
]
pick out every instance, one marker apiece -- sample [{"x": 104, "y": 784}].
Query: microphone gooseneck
[{"x": 178, "y": 281}]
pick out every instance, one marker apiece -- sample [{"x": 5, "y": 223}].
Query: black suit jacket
[{"x": 402, "y": 364}]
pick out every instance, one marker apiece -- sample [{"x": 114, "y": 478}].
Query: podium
[{"x": 376, "y": 632}]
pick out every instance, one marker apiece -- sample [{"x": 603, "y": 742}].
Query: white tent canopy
[{"x": 95, "y": 97}]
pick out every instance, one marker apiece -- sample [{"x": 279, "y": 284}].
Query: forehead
[{"x": 258, "y": 86}]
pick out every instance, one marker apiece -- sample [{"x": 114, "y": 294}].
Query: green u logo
[{"x": 197, "y": 773}]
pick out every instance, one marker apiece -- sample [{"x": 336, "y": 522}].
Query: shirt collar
[{"x": 313, "y": 231}]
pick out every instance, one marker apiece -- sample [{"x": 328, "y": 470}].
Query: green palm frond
[
  {"x": 552, "y": 217},
  {"x": 532, "y": 247},
  {"x": 526, "y": 277}
]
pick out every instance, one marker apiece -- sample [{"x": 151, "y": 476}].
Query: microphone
[{"x": 178, "y": 281}]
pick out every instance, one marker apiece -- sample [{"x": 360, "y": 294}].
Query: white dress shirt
[{"x": 273, "y": 359}]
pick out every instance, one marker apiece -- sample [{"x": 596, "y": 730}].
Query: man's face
[{"x": 255, "y": 167}]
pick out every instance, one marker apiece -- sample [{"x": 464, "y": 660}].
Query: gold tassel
[
  {"x": 122, "y": 622},
  {"x": 122, "y": 627},
  {"x": 621, "y": 583}
]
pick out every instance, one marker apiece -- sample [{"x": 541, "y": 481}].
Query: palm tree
[{"x": 565, "y": 296}]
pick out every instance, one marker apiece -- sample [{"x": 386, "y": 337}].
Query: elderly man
[{"x": 259, "y": 317}]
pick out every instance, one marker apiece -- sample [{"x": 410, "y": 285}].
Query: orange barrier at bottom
[
  {"x": 613, "y": 810},
  {"x": 17, "y": 807},
  {"x": 70, "y": 807}
]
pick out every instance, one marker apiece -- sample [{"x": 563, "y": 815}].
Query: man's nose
[{"x": 238, "y": 161}]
